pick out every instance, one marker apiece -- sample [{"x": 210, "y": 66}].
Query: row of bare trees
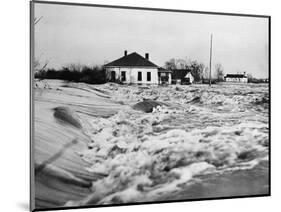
[
  {"x": 198, "y": 70},
  {"x": 37, "y": 64},
  {"x": 74, "y": 73}
]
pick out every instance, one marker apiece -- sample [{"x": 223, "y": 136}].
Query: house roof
[
  {"x": 163, "y": 70},
  {"x": 235, "y": 76},
  {"x": 130, "y": 60},
  {"x": 179, "y": 73},
  {"x": 188, "y": 75}
]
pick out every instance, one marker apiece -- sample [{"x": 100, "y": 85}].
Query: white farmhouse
[
  {"x": 133, "y": 68},
  {"x": 236, "y": 78}
]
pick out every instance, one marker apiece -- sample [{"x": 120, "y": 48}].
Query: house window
[
  {"x": 123, "y": 76},
  {"x": 139, "y": 76},
  {"x": 148, "y": 76}
]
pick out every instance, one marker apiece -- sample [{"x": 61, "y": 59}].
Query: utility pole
[{"x": 210, "y": 65}]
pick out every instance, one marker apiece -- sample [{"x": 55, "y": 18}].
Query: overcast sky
[{"x": 91, "y": 35}]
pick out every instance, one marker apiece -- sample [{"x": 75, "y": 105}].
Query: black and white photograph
[{"x": 141, "y": 105}]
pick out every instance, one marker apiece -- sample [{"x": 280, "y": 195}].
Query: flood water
[{"x": 203, "y": 142}]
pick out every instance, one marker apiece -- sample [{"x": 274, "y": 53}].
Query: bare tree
[
  {"x": 250, "y": 76},
  {"x": 196, "y": 68},
  {"x": 36, "y": 63},
  {"x": 75, "y": 67},
  {"x": 38, "y": 66},
  {"x": 181, "y": 64},
  {"x": 219, "y": 72},
  {"x": 36, "y": 20},
  {"x": 205, "y": 73},
  {"x": 171, "y": 64}
]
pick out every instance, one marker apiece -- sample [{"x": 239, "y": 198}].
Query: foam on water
[
  {"x": 145, "y": 155},
  {"x": 200, "y": 131}
]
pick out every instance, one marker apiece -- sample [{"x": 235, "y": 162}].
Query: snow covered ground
[{"x": 201, "y": 142}]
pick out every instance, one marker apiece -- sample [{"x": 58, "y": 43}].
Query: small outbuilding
[
  {"x": 188, "y": 79},
  {"x": 182, "y": 76},
  {"x": 236, "y": 78}
]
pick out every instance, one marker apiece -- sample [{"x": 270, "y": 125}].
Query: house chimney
[
  {"x": 125, "y": 53},
  {"x": 147, "y": 56}
]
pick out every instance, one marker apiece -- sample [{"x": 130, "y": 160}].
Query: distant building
[
  {"x": 189, "y": 78},
  {"x": 135, "y": 69},
  {"x": 236, "y": 78},
  {"x": 182, "y": 76}
]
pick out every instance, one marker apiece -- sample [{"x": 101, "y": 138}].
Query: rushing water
[{"x": 200, "y": 133}]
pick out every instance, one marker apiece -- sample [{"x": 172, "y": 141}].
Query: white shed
[{"x": 189, "y": 78}]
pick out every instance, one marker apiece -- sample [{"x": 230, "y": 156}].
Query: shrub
[{"x": 91, "y": 75}]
